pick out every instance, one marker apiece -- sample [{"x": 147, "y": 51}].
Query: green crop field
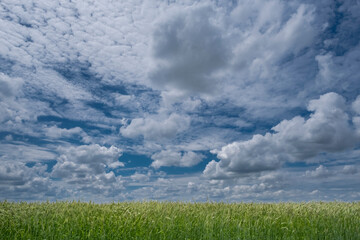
[{"x": 177, "y": 220}]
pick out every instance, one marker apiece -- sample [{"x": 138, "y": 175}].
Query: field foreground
[{"x": 177, "y": 220}]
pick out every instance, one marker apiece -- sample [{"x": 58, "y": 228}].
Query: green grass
[{"x": 177, "y": 220}]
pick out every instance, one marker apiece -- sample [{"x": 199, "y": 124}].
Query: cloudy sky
[{"x": 249, "y": 100}]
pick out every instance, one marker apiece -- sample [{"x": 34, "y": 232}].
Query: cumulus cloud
[
  {"x": 319, "y": 172},
  {"x": 167, "y": 158},
  {"x": 326, "y": 130},
  {"x": 82, "y": 162},
  {"x": 156, "y": 127},
  {"x": 56, "y": 133},
  {"x": 13, "y": 174},
  {"x": 188, "y": 49},
  {"x": 326, "y": 172},
  {"x": 88, "y": 170},
  {"x": 139, "y": 177},
  {"x": 18, "y": 181}
]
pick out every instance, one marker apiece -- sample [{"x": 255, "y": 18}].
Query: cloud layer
[{"x": 179, "y": 100}]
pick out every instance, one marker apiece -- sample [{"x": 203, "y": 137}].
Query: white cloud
[
  {"x": 172, "y": 158},
  {"x": 350, "y": 169},
  {"x": 262, "y": 57},
  {"x": 85, "y": 161},
  {"x": 139, "y": 177},
  {"x": 188, "y": 49},
  {"x": 83, "y": 171},
  {"x": 326, "y": 77},
  {"x": 104, "y": 34},
  {"x": 9, "y": 87},
  {"x": 53, "y": 85},
  {"x": 319, "y": 172},
  {"x": 267, "y": 34},
  {"x": 21, "y": 152},
  {"x": 356, "y": 118},
  {"x": 298, "y": 32},
  {"x": 356, "y": 105},
  {"x": 13, "y": 174},
  {"x": 121, "y": 100},
  {"x": 326, "y": 130},
  {"x": 180, "y": 98},
  {"x": 56, "y": 133},
  {"x": 15, "y": 106},
  {"x": 116, "y": 165},
  {"x": 17, "y": 181},
  {"x": 9, "y": 138},
  {"x": 156, "y": 127},
  {"x": 213, "y": 170},
  {"x": 338, "y": 71}
]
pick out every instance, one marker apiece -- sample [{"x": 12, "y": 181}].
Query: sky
[{"x": 249, "y": 100}]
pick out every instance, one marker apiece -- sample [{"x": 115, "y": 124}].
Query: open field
[{"x": 177, "y": 220}]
